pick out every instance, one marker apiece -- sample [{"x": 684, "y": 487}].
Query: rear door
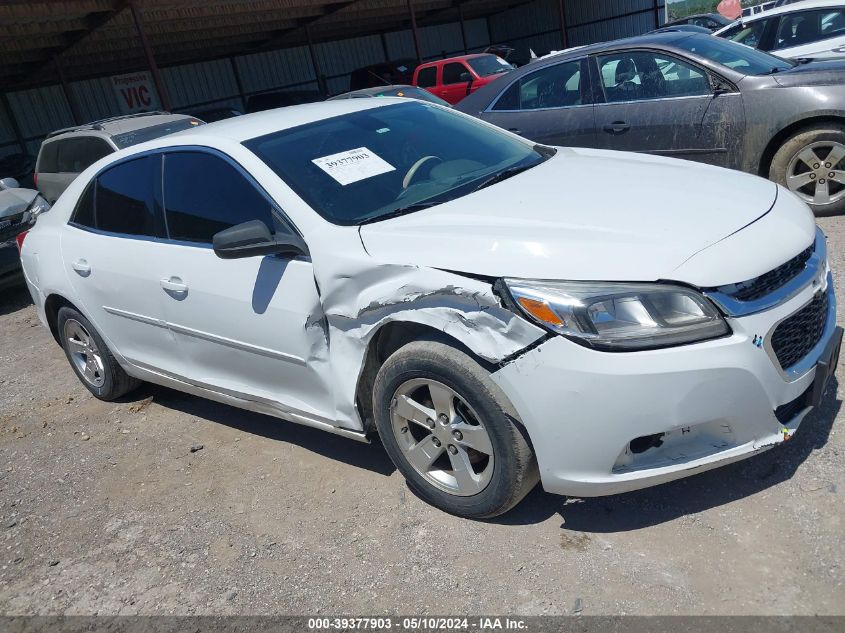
[
  {"x": 250, "y": 327},
  {"x": 552, "y": 105},
  {"x": 112, "y": 251},
  {"x": 658, "y": 103}
]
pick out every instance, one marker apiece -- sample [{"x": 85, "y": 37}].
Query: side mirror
[
  {"x": 252, "y": 239},
  {"x": 466, "y": 78},
  {"x": 9, "y": 183}
]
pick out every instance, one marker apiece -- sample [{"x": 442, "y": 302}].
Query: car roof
[
  {"x": 456, "y": 58},
  {"x": 118, "y": 125},
  {"x": 666, "y": 38},
  {"x": 249, "y": 126},
  {"x": 804, "y": 5},
  {"x": 376, "y": 89}
]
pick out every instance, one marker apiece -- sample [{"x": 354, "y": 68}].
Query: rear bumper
[{"x": 603, "y": 423}]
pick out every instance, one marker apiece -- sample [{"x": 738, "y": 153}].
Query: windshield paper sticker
[{"x": 353, "y": 165}]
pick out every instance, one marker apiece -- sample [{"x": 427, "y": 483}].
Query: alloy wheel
[
  {"x": 84, "y": 353},
  {"x": 441, "y": 437},
  {"x": 816, "y": 173}
]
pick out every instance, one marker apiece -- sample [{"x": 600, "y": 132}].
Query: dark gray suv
[{"x": 690, "y": 96}]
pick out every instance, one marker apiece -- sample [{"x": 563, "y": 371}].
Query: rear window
[
  {"x": 77, "y": 154},
  {"x": 427, "y": 77},
  {"x": 155, "y": 131}
]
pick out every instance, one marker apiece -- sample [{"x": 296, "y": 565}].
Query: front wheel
[
  {"x": 812, "y": 165},
  {"x": 450, "y": 431}
]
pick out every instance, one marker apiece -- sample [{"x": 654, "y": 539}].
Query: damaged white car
[{"x": 498, "y": 312}]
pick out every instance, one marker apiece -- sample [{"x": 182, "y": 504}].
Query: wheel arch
[
  {"x": 791, "y": 130},
  {"x": 52, "y": 305}
]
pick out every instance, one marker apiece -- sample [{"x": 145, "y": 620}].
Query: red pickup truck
[{"x": 454, "y": 78}]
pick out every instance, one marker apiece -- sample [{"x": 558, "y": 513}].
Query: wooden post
[
  {"x": 315, "y": 64},
  {"x": 564, "y": 38},
  {"x": 151, "y": 62},
  {"x": 71, "y": 100},
  {"x": 657, "y": 14},
  {"x": 414, "y": 31},
  {"x": 463, "y": 26},
  {"x": 238, "y": 83}
]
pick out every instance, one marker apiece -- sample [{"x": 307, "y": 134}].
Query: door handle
[
  {"x": 81, "y": 266},
  {"x": 617, "y": 127},
  {"x": 174, "y": 284}
]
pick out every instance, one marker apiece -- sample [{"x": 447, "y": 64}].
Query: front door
[
  {"x": 250, "y": 327},
  {"x": 456, "y": 80},
  {"x": 551, "y": 106},
  {"x": 660, "y": 104}
]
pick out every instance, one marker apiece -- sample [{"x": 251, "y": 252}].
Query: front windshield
[
  {"x": 743, "y": 59},
  {"x": 368, "y": 165},
  {"x": 487, "y": 65}
]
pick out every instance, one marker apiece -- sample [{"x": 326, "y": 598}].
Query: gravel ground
[{"x": 105, "y": 509}]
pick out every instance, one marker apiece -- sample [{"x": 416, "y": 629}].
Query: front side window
[
  {"x": 641, "y": 75},
  {"x": 204, "y": 194},
  {"x": 453, "y": 73},
  {"x": 385, "y": 161},
  {"x": 806, "y": 27},
  {"x": 749, "y": 34},
  {"x": 552, "y": 87},
  {"x": 127, "y": 198},
  {"x": 427, "y": 77}
]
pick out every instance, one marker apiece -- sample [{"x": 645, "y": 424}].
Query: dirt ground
[{"x": 104, "y": 509}]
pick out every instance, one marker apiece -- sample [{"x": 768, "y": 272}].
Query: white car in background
[
  {"x": 393, "y": 266},
  {"x": 809, "y": 29}
]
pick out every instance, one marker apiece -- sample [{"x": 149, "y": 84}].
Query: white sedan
[{"x": 499, "y": 312}]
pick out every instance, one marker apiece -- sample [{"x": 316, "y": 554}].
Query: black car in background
[
  {"x": 269, "y": 100},
  {"x": 689, "y": 96},
  {"x": 710, "y": 21},
  {"x": 396, "y": 72}
]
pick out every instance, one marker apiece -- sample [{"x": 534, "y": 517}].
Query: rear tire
[
  {"x": 91, "y": 360},
  {"x": 805, "y": 162},
  {"x": 451, "y": 432}
]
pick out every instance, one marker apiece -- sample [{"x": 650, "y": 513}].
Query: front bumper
[{"x": 603, "y": 423}]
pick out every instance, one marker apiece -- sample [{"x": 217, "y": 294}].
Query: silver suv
[{"x": 65, "y": 153}]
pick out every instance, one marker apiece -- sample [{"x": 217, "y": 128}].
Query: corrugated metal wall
[{"x": 214, "y": 83}]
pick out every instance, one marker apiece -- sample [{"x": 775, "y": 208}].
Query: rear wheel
[
  {"x": 451, "y": 432},
  {"x": 812, "y": 165},
  {"x": 91, "y": 360}
]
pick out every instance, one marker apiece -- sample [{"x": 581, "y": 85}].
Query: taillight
[{"x": 19, "y": 239}]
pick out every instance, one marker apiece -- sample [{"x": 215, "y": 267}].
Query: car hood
[
  {"x": 581, "y": 215},
  {"x": 815, "y": 73}
]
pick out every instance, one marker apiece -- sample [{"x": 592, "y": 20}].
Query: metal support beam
[
  {"x": 71, "y": 99},
  {"x": 657, "y": 14},
  {"x": 151, "y": 62},
  {"x": 564, "y": 38},
  {"x": 414, "y": 31},
  {"x": 463, "y": 27},
  {"x": 238, "y": 82},
  {"x": 321, "y": 79}
]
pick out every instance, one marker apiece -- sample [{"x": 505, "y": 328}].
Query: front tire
[
  {"x": 451, "y": 432},
  {"x": 91, "y": 360},
  {"x": 811, "y": 164}
]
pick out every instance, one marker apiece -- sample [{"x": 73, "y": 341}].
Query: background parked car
[
  {"x": 19, "y": 166},
  {"x": 17, "y": 212},
  {"x": 454, "y": 78},
  {"x": 814, "y": 28},
  {"x": 400, "y": 71},
  {"x": 410, "y": 92},
  {"x": 66, "y": 153},
  {"x": 709, "y": 21},
  {"x": 281, "y": 99},
  {"x": 215, "y": 114},
  {"x": 690, "y": 96}
]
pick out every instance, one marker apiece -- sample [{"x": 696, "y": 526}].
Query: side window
[
  {"x": 126, "y": 199},
  {"x": 552, "y": 87},
  {"x": 204, "y": 194},
  {"x": 642, "y": 75},
  {"x": 452, "y": 73},
  {"x": 509, "y": 99},
  {"x": 749, "y": 34},
  {"x": 807, "y": 27},
  {"x": 76, "y": 154},
  {"x": 427, "y": 77},
  {"x": 48, "y": 158},
  {"x": 83, "y": 215}
]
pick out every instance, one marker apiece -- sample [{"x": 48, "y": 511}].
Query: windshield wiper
[
  {"x": 417, "y": 206},
  {"x": 503, "y": 175}
]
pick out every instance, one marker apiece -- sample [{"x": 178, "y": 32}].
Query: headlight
[{"x": 619, "y": 316}]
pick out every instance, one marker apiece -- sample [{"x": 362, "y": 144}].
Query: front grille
[
  {"x": 768, "y": 282},
  {"x": 793, "y": 339}
]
